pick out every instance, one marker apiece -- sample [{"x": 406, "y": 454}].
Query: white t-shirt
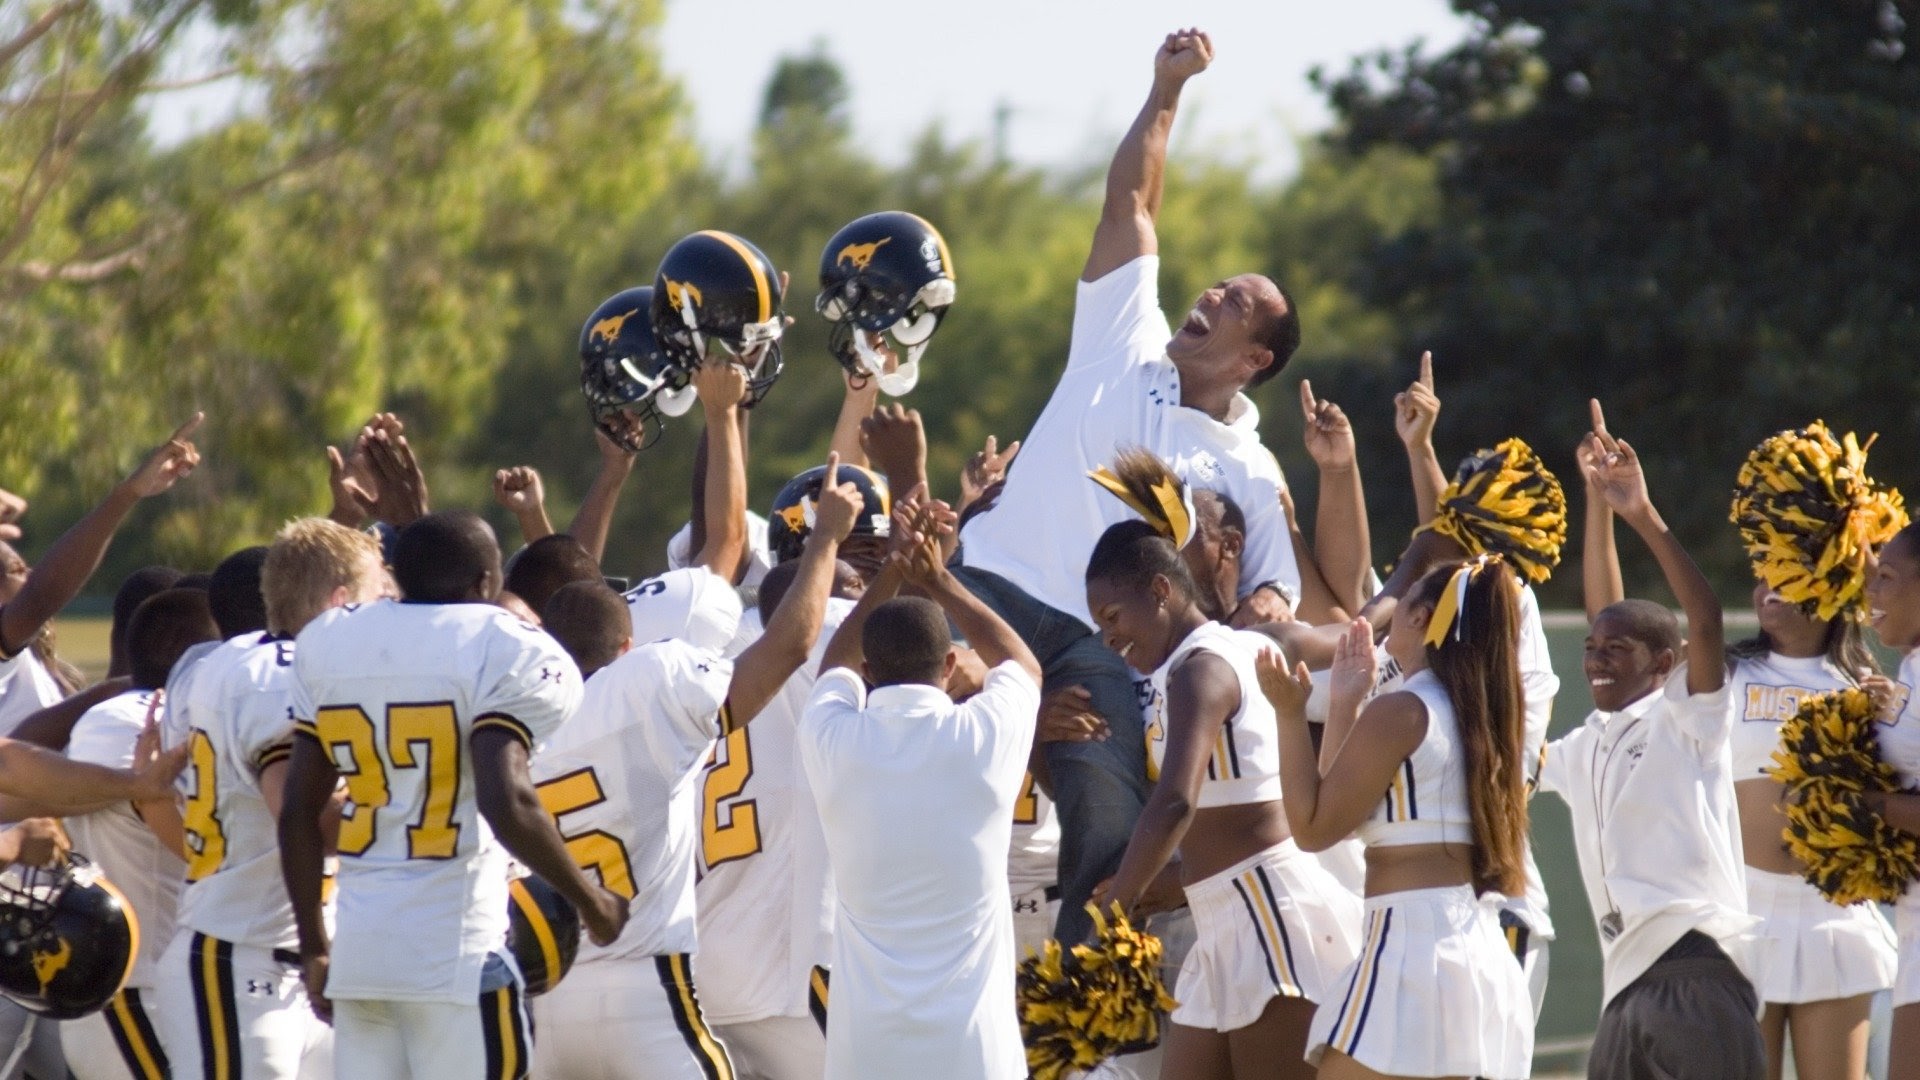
[
  {"x": 235, "y": 715},
  {"x": 694, "y": 605},
  {"x": 765, "y": 895},
  {"x": 394, "y": 693},
  {"x": 1651, "y": 793},
  {"x": 916, "y": 798},
  {"x": 759, "y": 561},
  {"x": 115, "y": 838},
  {"x": 622, "y": 779},
  {"x": 26, "y": 687},
  {"x": 1120, "y": 390}
]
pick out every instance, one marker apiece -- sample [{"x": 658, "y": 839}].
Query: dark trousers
[
  {"x": 1098, "y": 787},
  {"x": 1691, "y": 1016}
]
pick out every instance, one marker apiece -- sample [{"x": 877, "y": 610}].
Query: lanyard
[{"x": 1611, "y": 923}]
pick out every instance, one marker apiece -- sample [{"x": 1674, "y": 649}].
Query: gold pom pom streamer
[
  {"x": 1829, "y": 756},
  {"x": 1505, "y": 501},
  {"x": 1811, "y": 517},
  {"x": 1150, "y": 489},
  {"x": 1080, "y": 1006}
]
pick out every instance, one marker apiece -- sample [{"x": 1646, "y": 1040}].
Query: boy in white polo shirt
[
  {"x": 916, "y": 798},
  {"x": 1649, "y": 780}
]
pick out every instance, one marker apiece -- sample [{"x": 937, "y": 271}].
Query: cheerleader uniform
[
  {"x": 1809, "y": 949},
  {"x": 1900, "y": 747},
  {"x": 1435, "y": 991},
  {"x": 1275, "y": 924}
]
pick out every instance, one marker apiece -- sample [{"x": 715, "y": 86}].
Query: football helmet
[
  {"x": 791, "y": 521},
  {"x": 67, "y": 938},
  {"x": 717, "y": 294},
  {"x": 628, "y": 380},
  {"x": 543, "y": 933},
  {"x": 890, "y": 275}
]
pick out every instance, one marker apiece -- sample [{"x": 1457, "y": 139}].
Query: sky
[{"x": 1073, "y": 72}]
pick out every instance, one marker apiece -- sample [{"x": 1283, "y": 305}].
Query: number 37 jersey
[{"x": 393, "y": 692}]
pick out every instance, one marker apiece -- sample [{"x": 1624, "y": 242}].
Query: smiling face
[
  {"x": 1621, "y": 668},
  {"x": 1893, "y": 592},
  {"x": 1134, "y": 622},
  {"x": 1789, "y": 630},
  {"x": 1221, "y": 337}
]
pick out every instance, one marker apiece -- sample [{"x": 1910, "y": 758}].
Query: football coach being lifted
[{"x": 1130, "y": 382}]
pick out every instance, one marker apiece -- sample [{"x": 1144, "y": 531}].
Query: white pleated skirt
[
  {"x": 1811, "y": 949},
  {"x": 1275, "y": 925},
  {"x": 1434, "y": 992}
]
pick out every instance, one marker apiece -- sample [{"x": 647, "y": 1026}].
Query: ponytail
[{"x": 1471, "y": 649}]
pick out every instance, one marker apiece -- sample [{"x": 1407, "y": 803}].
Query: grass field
[{"x": 1573, "y": 990}]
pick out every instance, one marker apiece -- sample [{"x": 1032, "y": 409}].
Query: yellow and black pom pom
[
  {"x": 1506, "y": 501},
  {"x": 1080, "y": 1006},
  {"x": 1810, "y": 517},
  {"x": 1829, "y": 755}
]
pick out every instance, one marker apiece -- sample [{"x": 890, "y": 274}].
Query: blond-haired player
[{"x": 233, "y": 954}]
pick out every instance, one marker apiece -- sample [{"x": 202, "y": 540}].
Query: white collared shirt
[
  {"x": 1651, "y": 793},
  {"x": 1120, "y": 390},
  {"x": 916, "y": 798}
]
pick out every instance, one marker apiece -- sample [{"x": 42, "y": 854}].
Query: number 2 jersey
[
  {"x": 622, "y": 781},
  {"x": 393, "y": 692},
  {"x": 235, "y": 714}
]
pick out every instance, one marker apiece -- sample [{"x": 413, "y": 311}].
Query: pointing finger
[
  {"x": 1426, "y": 369},
  {"x": 832, "y": 479},
  {"x": 186, "y": 430},
  {"x": 1599, "y": 417},
  {"x": 1308, "y": 405}
]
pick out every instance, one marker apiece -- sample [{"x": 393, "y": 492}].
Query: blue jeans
[{"x": 1098, "y": 787}]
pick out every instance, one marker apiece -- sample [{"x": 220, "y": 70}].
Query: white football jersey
[
  {"x": 1034, "y": 862},
  {"x": 622, "y": 780},
  {"x": 694, "y": 605},
  {"x": 115, "y": 838},
  {"x": 235, "y": 714},
  {"x": 765, "y": 892},
  {"x": 393, "y": 692}
]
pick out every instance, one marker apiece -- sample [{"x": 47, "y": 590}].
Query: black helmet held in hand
[
  {"x": 887, "y": 276},
  {"x": 627, "y": 378},
  {"x": 717, "y": 294}
]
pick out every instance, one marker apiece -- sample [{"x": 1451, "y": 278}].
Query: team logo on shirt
[
  {"x": 1775, "y": 703},
  {"x": 1896, "y": 705}
]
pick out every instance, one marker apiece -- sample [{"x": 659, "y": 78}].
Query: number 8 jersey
[{"x": 393, "y": 692}]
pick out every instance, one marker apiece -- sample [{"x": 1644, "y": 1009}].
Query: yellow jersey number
[
  {"x": 594, "y": 850},
  {"x": 729, "y": 825},
  {"x": 417, "y": 736},
  {"x": 206, "y": 840}
]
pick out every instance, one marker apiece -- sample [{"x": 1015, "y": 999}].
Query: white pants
[
  {"x": 29, "y": 1045},
  {"x": 627, "y": 1019},
  {"x": 119, "y": 1041},
  {"x": 776, "y": 1048},
  {"x": 427, "y": 1040},
  {"x": 243, "y": 1013}
]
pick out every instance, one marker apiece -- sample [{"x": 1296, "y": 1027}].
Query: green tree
[{"x": 1700, "y": 213}]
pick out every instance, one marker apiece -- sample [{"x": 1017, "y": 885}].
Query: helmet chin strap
[{"x": 900, "y": 380}]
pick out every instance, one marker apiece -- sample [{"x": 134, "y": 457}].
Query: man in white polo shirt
[
  {"x": 917, "y": 798},
  {"x": 1129, "y": 381}
]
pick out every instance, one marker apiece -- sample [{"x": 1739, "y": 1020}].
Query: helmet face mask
[{"x": 629, "y": 381}]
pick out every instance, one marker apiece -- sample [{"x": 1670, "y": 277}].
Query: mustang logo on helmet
[
  {"x": 608, "y": 329},
  {"x": 46, "y": 965},
  {"x": 861, "y": 255},
  {"x": 799, "y": 516},
  {"x": 680, "y": 292}
]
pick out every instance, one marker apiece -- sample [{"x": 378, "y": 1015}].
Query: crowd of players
[{"x": 810, "y": 792}]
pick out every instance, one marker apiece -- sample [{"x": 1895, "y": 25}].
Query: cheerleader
[
  {"x": 1817, "y": 964},
  {"x": 1271, "y": 926},
  {"x": 1430, "y": 778},
  {"x": 1893, "y": 603}
]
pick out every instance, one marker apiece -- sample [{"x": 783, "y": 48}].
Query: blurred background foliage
[{"x": 1702, "y": 212}]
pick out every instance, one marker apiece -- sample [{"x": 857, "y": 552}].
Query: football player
[
  {"x": 232, "y": 955},
  {"x": 428, "y": 708},
  {"x": 623, "y": 781},
  {"x": 125, "y": 841}
]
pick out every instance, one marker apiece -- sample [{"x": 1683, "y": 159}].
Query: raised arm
[
  {"x": 1316, "y": 603},
  {"x": 986, "y": 632},
  {"x": 1126, "y": 229},
  {"x": 1619, "y": 479},
  {"x": 594, "y": 520},
  {"x": 1342, "y": 543},
  {"x": 519, "y": 492},
  {"x": 764, "y": 667},
  {"x": 723, "y": 385},
  {"x": 1599, "y": 558},
  {"x": 863, "y": 393},
  {"x": 63, "y": 571},
  {"x": 1415, "y": 410},
  {"x": 896, "y": 444}
]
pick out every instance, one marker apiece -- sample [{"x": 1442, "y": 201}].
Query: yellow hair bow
[
  {"x": 1156, "y": 495},
  {"x": 1451, "y": 612}
]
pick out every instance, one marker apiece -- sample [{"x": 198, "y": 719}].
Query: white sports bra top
[
  {"x": 1245, "y": 766},
  {"x": 1766, "y": 691},
  {"x": 1900, "y": 740},
  {"x": 1427, "y": 801}
]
